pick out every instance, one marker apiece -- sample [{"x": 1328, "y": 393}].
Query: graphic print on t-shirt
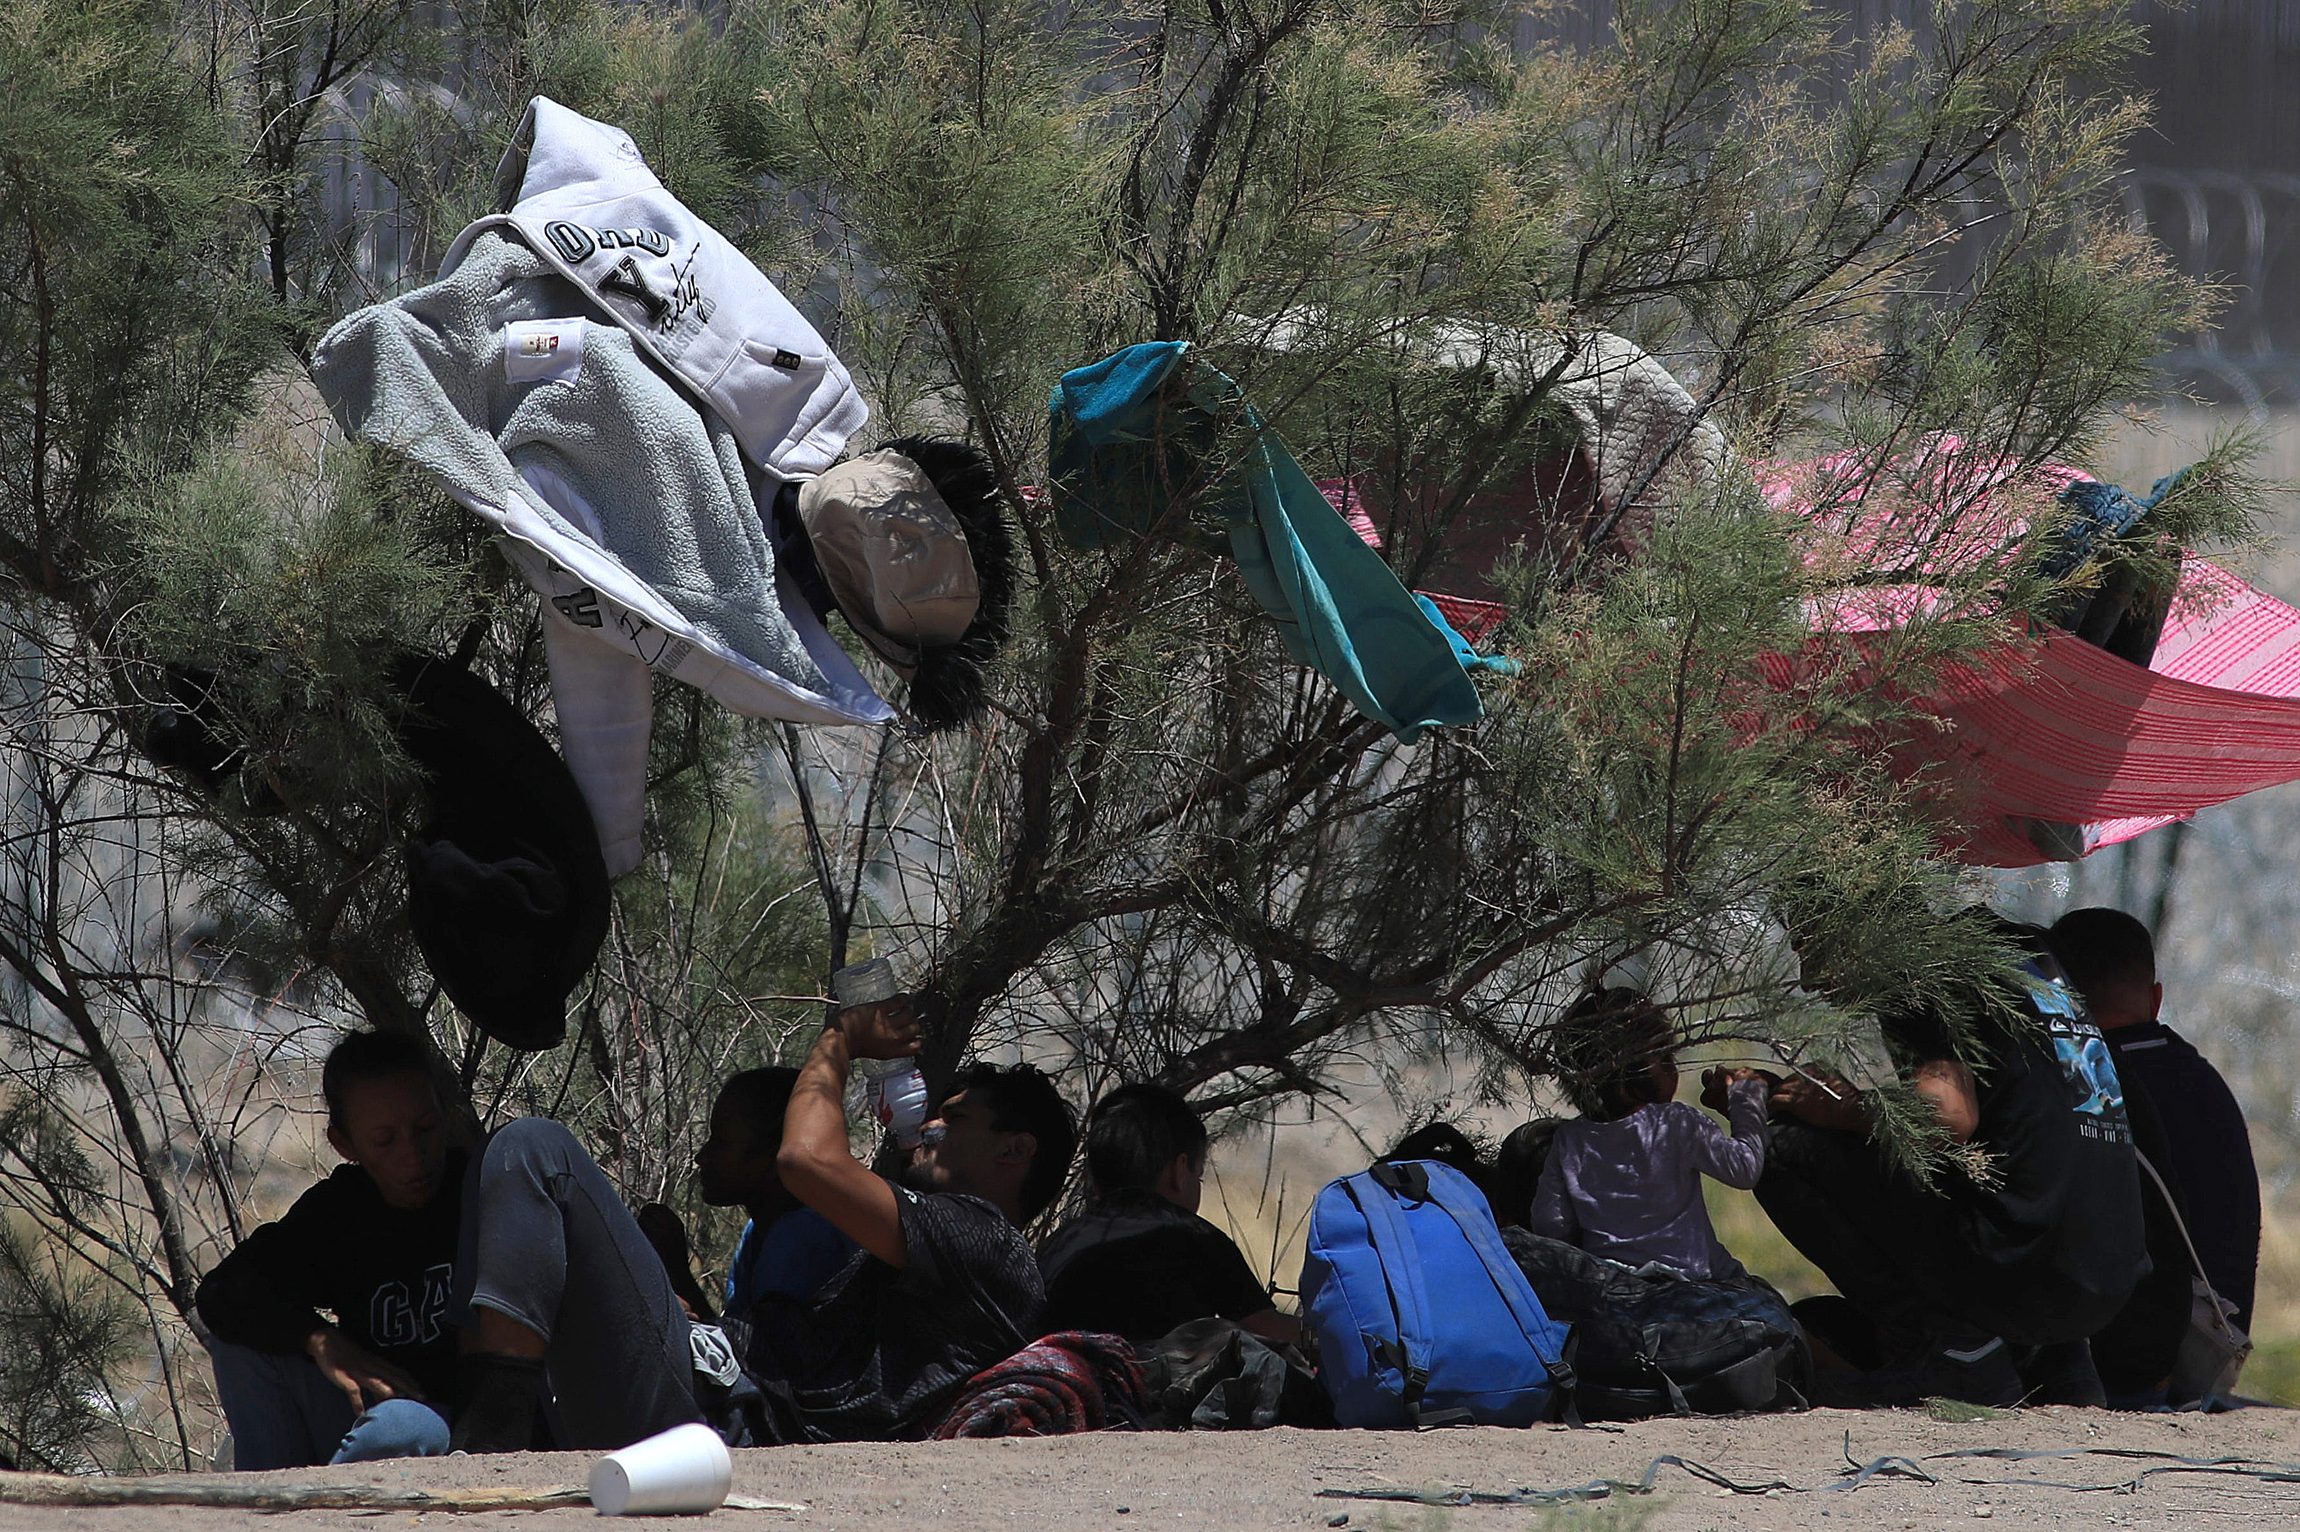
[{"x": 2085, "y": 1062}]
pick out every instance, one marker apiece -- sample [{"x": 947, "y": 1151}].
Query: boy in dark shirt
[
  {"x": 1140, "y": 1261},
  {"x": 373, "y": 1245},
  {"x": 944, "y": 1285},
  {"x": 786, "y": 1250},
  {"x": 2111, "y": 958}
]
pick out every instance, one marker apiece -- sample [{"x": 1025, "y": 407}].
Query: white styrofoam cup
[{"x": 682, "y": 1471}]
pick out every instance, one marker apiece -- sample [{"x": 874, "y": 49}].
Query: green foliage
[
  {"x": 718, "y": 954},
  {"x": 2273, "y": 1373},
  {"x": 128, "y": 333},
  {"x": 273, "y": 565},
  {"x": 62, "y": 1334},
  {"x": 287, "y": 64},
  {"x": 1852, "y": 242},
  {"x": 1615, "y": 1514},
  {"x": 64, "y": 1328}
]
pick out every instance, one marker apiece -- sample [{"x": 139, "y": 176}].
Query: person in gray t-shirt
[{"x": 1624, "y": 1180}]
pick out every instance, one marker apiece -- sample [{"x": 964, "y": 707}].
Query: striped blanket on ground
[{"x": 1055, "y": 1386}]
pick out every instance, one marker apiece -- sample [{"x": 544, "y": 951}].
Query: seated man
[
  {"x": 1446, "y": 1143},
  {"x": 573, "y": 1311},
  {"x": 374, "y": 1245},
  {"x": 786, "y": 1250},
  {"x": 945, "y": 1285},
  {"x": 1977, "y": 1289},
  {"x": 1139, "y": 1261},
  {"x": 2111, "y": 959}
]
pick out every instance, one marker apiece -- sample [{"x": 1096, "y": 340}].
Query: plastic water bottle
[
  {"x": 898, "y": 1098},
  {"x": 893, "y": 1088}
]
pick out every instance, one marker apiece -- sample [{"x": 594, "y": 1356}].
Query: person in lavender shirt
[{"x": 1623, "y": 1181}]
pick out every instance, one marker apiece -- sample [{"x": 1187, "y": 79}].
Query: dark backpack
[
  {"x": 1214, "y": 1375},
  {"x": 1421, "y": 1317},
  {"x": 1651, "y": 1343}
]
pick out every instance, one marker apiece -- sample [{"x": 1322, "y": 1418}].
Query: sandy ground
[{"x": 1272, "y": 1479}]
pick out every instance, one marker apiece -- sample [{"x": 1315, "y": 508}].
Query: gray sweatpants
[{"x": 548, "y": 1242}]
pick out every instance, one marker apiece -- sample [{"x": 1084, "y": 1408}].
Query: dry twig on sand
[
  {"x": 183, "y": 1489},
  {"x": 225, "y": 1494}
]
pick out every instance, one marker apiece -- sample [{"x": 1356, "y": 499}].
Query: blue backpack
[{"x": 1422, "y": 1318}]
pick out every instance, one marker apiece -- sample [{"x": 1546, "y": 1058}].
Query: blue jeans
[{"x": 283, "y": 1414}]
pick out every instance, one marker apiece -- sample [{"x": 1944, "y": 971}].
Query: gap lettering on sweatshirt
[{"x": 399, "y": 1317}]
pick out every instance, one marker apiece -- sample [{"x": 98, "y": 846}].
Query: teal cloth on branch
[
  {"x": 1130, "y": 446},
  {"x": 1463, "y": 650}
]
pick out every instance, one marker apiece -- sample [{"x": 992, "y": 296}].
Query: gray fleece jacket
[{"x": 566, "y": 411}]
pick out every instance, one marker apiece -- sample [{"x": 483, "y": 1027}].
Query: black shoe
[
  {"x": 1971, "y": 1369},
  {"x": 1967, "y": 1368},
  {"x": 499, "y": 1404},
  {"x": 1834, "y": 1322},
  {"x": 2061, "y": 1374}
]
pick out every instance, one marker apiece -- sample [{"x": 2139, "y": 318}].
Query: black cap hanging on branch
[
  {"x": 187, "y": 732},
  {"x": 506, "y": 888},
  {"x": 913, "y": 547}
]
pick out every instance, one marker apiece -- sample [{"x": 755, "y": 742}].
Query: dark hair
[
  {"x": 1445, "y": 1143},
  {"x": 1134, "y": 1133},
  {"x": 1023, "y": 1100},
  {"x": 2103, "y": 946},
  {"x": 1600, "y": 1048},
  {"x": 946, "y": 687},
  {"x": 761, "y": 1096},
  {"x": 363, "y": 1056},
  {"x": 1517, "y": 1171}
]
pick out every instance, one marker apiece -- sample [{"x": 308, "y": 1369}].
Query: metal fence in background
[{"x": 2241, "y": 230}]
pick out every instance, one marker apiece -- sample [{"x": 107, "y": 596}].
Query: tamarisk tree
[
  {"x": 182, "y": 936},
  {"x": 1171, "y": 852},
  {"x": 1166, "y": 850}
]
